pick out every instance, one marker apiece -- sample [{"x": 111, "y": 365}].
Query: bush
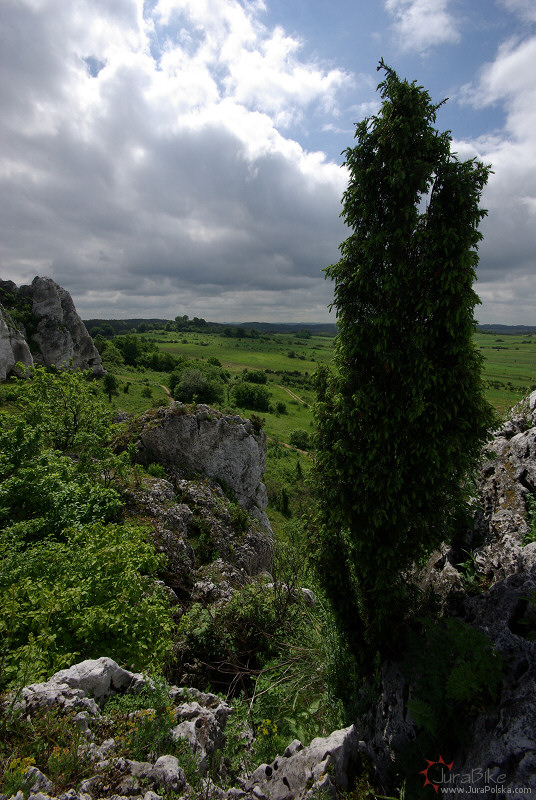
[
  {"x": 254, "y": 376},
  {"x": 454, "y": 675},
  {"x": 62, "y": 602},
  {"x": 111, "y": 355},
  {"x": 64, "y": 406},
  {"x": 251, "y": 396},
  {"x": 196, "y": 385},
  {"x": 299, "y": 439}
]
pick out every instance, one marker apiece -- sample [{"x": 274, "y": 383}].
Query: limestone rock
[
  {"x": 61, "y": 336},
  {"x": 70, "y": 688},
  {"x": 181, "y": 509},
  {"x": 57, "y": 336},
  {"x": 100, "y": 678},
  {"x": 503, "y": 741},
  {"x": 37, "y": 782},
  {"x": 13, "y": 346},
  {"x": 202, "y": 727},
  {"x": 221, "y": 446},
  {"x": 304, "y": 772},
  {"x": 167, "y": 775},
  {"x": 508, "y": 475}
]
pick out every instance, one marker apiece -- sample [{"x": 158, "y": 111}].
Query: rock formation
[
  {"x": 39, "y": 324},
  {"x": 221, "y": 446},
  {"x": 13, "y": 346},
  {"x": 501, "y": 602},
  {"x": 197, "y": 718},
  {"x": 308, "y": 772}
]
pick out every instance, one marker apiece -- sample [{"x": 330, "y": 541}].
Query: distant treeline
[
  {"x": 513, "y": 330},
  {"x": 117, "y": 327}
]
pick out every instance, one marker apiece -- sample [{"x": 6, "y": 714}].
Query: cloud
[
  {"x": 524, "y": 8},
  {"x": 422, "y": 24},
  {"x": 143, "y": 155},
  {"x": 507, "y": 272}
]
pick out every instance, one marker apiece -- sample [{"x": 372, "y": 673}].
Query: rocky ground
[{"x": 99, "y": 765}]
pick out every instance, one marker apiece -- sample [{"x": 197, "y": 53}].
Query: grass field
[
  {"x": 279, "y": 355},
  {"x": 509, "y": 367},
  {"x": 289, "y": 361},
  {"x": 509, "y": 370}
]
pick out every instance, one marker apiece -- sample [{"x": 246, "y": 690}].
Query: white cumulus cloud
[
  {"x": 422, "y": 24},
  {"x": 507, "y": 273}
]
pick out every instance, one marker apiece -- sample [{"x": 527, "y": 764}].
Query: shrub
[
  {"x": 64, "y": 407},
  {"x": 254, "y": 376},
  {"x": 251, "y": 396},
  {"x": 455, "y": 674},
  {"x": 62, "y": 602},
  {"x": 299, "y": 439}
]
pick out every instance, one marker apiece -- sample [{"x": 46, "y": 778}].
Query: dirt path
[
  {"x": 165, "y": 388},
  {"x": 295, "y": 396},
  {"x": 290, "y": 447}
]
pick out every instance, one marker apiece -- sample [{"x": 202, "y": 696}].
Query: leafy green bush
[
  {"x": 251, "y": 396},
  {"x": 203, "y": 381},
  {"x": 196, "y": 385},
  {"x": 156, "y": 470},
  {"x": 42, "y": 491},
  {"x": 66, "y": 407},
  {"x": 254, "y": 376},
  {"x": 91, "y": 594},
  {"x": 456, "y": 674},
  {"x": 299, "y": 439},
  {"x": 111, "y": 355}
]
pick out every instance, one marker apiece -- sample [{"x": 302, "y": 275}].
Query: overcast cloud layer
[{"x": 150, "y": 155}]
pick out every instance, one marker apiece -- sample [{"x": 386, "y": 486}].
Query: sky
[{"x": 170, "y": 157}]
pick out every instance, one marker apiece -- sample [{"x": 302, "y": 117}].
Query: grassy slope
[
  {"x": 509, "y": 367},
  {"x": 509, "y": 370}
]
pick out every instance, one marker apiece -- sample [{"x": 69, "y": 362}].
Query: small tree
[
  {"x": 64, "y": 406},
  {"x": 402, "y": 420},
  {"x": 110, "y": 384},
  {"x": 251, "y": 396}
]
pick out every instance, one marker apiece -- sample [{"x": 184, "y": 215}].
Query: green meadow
[
  {"x": 289, "y": 362},
  {"x": 509, "y": 371},
  {"x": 509, "y": 366}
]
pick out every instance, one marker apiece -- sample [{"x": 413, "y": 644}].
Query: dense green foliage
[
  {"x": 251, "y": 396},
  {"x": 198, "y": 380},
  {"x": 402, "y": 420},
  {"x": 270, "y": 647},
  {"x": 454, "y": 673},
  {"x": 73, "y": 582},
  {"x": 88, "y": 594}
]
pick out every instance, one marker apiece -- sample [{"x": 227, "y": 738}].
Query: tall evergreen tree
[{"x": 402, "y": 419}]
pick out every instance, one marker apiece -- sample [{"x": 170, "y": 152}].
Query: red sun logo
[{"x": 430, "y": 764}]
